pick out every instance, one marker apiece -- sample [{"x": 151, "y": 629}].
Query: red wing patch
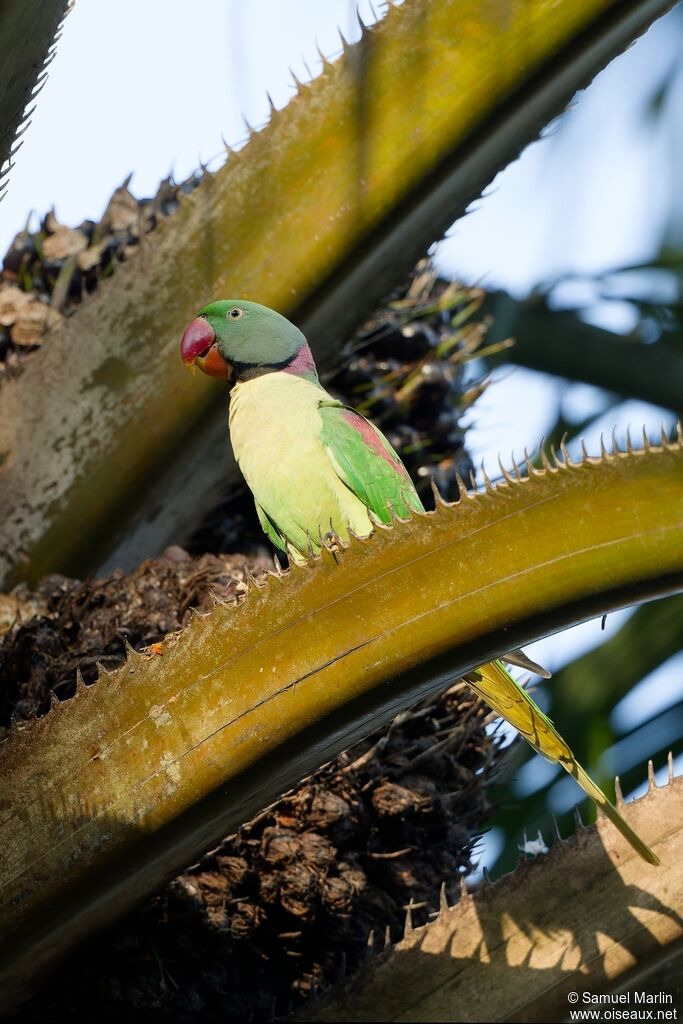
[{"x": 372, "y": 440}]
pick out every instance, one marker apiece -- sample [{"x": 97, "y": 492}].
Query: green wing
[
  {"x": 494, "y": 684},
  {"x": 365, "y": 461},
  {"x": 269, "y": 528}
]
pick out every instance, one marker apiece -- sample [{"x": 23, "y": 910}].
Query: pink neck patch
[{"x": 302, "y": 363}]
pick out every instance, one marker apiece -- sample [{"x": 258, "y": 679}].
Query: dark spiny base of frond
[
  {"x": 46, "y": 274},
  {"x": 282, "y": 909}
]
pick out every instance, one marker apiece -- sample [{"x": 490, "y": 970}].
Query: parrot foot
[{"x": 333, "y": 544}]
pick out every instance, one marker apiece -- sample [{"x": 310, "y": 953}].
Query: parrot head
[{"x": 235, "y": 340}]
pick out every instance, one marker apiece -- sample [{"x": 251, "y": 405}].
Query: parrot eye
[{"x": 236, "y": 313}]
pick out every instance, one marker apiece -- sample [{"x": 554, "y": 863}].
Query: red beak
[{"x": 199, "y": 349}]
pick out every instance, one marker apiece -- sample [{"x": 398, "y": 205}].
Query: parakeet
[{"x": 319, "y": 469}]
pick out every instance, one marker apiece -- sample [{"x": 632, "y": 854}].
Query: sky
[{"x": 145, "y": 88}]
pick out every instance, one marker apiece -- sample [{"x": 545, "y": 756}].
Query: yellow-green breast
[{"x": 275, "y": 428}]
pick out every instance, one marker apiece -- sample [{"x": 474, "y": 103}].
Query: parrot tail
[
  {"x": 496, "y": 687},
  {"x": 609, "y": 810}
]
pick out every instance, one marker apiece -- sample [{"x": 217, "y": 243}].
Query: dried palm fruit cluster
[
  {"x": 66, "y": 625},
  {"x": 405, "y": 369},
  {"x": 46, "y": 273},
  {"x": 280, "y": 909}
]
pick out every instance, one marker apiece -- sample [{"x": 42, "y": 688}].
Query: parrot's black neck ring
[{"x": 250, "y": 371}]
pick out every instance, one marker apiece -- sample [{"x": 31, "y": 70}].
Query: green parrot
[{"x": 318, "y": 469}]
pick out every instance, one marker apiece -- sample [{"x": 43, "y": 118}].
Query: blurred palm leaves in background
[{"x": 620, "y": 703}]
